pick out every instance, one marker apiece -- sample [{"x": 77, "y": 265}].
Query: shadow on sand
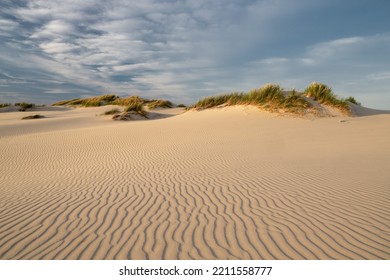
[{"x": 360, "y": 111}]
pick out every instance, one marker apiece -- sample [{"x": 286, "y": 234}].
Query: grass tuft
[
  {"x": 127, "y": 101},
  {"x": 76, "y": 101},
  {"x": 33, "y": 117},
  {"x": 269, "y": 97},
  {"x": 269, "y": 93},
  {"x": 23, "y": 106},
  {"x": 136, "y": 107},
  {"x": 3, "y": 105},
  {"x": 112, "y": 112},
  {"x": 352, "y": 100},
  {"x": 295, "y": 102},
  {"x": 159, "y": 103},
  {"x": 324, "y": 95},
  {"x": 89, "y": 102}
]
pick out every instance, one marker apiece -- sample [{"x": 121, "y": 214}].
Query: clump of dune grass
[
  {"x": 181, "y": 106},
  {"x": 3, "y": 105},
  {"x": 269, "y": 93},
  {"x": 89, "y": 102},
  {"x": 352, "y": 100},
  {"x": 294, "y": 102},
  {"x": 112, "y": 112},
  {"x": 75, "y": 101},
  {"x": 98, "y": 100},
  {"x": 127, "y": 101},
  {"x": 111, "y": 99},
  {"x": 33, "y": 117},
  {"x": 23, "y": 106},
  {"x": 132, "y": 111},
  {"x": 270, "y": 97},
  {"x": 324, "y": 95},
  {"x": 214, "y": 101},
  {"x": 137, "y": 108},
  {"x": 159, "y": 103}
]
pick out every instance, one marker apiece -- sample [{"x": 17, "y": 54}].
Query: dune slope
[{"x": 231, "y": 183}]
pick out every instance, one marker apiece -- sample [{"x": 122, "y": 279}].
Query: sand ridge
[{"x": 230, "y": 183}]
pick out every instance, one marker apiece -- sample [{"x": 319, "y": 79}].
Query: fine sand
[{"x": 225, "y": 183}]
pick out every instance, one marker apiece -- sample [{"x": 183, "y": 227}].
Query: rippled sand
[{"x": 231, "y": 183}]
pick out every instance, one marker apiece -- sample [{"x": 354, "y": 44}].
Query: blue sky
[{"x": 185, "y": 50}]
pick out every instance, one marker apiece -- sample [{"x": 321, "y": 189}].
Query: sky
[{"x": 183, "y": 50}]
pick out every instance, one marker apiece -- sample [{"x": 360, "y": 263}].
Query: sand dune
[{"x": 230, "y": 183}]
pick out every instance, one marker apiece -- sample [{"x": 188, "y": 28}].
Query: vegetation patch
[
  {"x": 159, "y": 103},
  {"x": 112, "y": 112},
  {"x": 132, "y": 103},
  {"x": 353, "y": 101},
  {"x": 136, "y": 108},
  {"x": 269, "y": 97},
  {"x": 133, "y": 111},
  {"x": 127, "y": 101},
  {"x": 23, "y": 106},
  {"x": 89, "y": 102},
  {"x": 181, "y": 106},
  {"x": 76, "y": 101},
  {"x": 3, "y": 105},
  {"x": 33, "y": 117},
  {"x": 324, "y": 95}
]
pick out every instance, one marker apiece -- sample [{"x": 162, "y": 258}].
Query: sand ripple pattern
[{"x": 183, "y": 188}]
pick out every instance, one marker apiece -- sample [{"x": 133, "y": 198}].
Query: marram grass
[
  {"x": 112, "y": 112},
  {"x": 33, "y": 117},
  {"x": 324, "y": 95},
  {"x": 269, "y": 97},
  {"x": 160, "y": 103},
  {"x": 23, "y": 106},
  {"x": 89, "y": 102},
  {"x": 352, "y": 100},
  {"x": 272, "y": 97}
]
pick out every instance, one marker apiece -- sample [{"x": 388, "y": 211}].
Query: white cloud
[
  {"x": 54, "y": 29},
  {"x": 379, "y": 76},
  {"x": 326, "y": 50},
  {"x": 58, "y": 47},
  {"x": 7, "y": 25}
]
